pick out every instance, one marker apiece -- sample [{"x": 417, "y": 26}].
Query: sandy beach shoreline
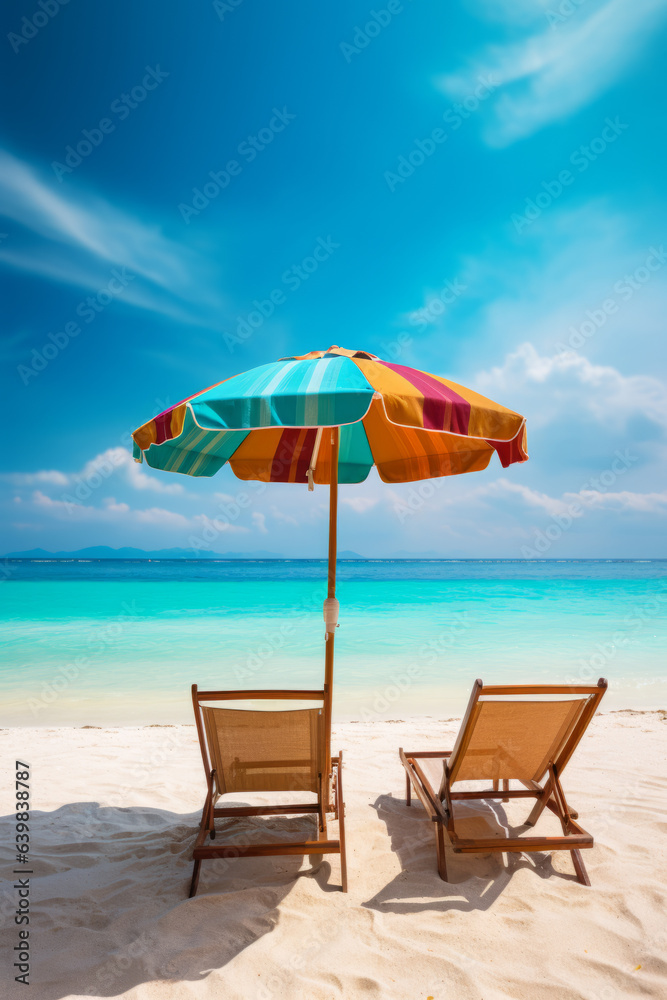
[{"x": 113, "y": 820}]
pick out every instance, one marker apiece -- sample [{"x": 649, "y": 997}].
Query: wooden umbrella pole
[{"x": 331, "y": 592}]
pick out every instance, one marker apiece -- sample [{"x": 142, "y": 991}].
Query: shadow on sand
[
  {"x": 475, "y": 881},
  {"x": 111, "y": 886}
]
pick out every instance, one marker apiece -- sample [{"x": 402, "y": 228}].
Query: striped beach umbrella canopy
[
  {"x": 268, "y": 424},
  {"x": 328, "y": 417}
]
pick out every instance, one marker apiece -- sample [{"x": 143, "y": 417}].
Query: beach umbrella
[{"x": 327, "y": 417}]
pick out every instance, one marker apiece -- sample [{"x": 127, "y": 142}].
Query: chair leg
[
  {"x": 440, "y": 851},
  {"x": 206, "y": 825},
  {"x": 541, "y": 803},
  {"x": 211, "y": 821},
  {"x": 321, "y": 820},
  {"x": 506, "y": 788},
  {"x": 195, "y": 879},
  {"x": 580, "y": 867},
  {"x": 563, "y": 811},
  {"x": 335, "y": 798},
  {"x": 408, "y": 790},
  {"x": 341, "y": 821}
]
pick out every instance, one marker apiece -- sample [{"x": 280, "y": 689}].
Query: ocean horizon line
[{"x": 322, "y": 559}]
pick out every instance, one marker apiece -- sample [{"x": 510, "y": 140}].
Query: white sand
[{"x": 113, "y": 824}]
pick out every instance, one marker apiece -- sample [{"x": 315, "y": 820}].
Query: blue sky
[{"x": 490, "y": 179}]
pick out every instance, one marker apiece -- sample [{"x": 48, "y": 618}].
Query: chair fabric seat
[
  {"x": 255, "y": 751},
  {"x": 514, "y": 739}
]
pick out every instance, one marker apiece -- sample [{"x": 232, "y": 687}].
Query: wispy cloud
[
  {"x": 114, "y": 512},
  {"x": 553, "y": 72},
  {"x": 576, "y": 384},
  {"x": 49, "y": 477},
  {"x": 360, "y": 504},
  {"x": 98, "y": 470},
  {"x": 75, "y": 238},
  {"x": 280, "y": 515},
  {"x": 111, "y": 511},
  {"x": 120, "y": 459},
  {"x": 504, "y": 505},
  {"x": 589, "y": 499},
  {"x": 645, "y": 503},
  {"x": 539, "y": 287},
  {"x": 259, "y": 520},
  {"x": 532, "y": 498}
]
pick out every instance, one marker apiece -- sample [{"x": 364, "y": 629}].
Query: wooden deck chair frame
[
  {"x": 439, "y": 804},
  {"x": 329, "y": 794}
]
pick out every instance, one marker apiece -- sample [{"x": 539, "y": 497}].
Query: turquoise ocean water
[{"x": 120, "y": 642}]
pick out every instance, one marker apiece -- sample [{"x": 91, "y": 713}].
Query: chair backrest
[
  {"x": 261, "y": 751},
  {"x": 265, "y": 751},
  {"x": 516, "y": 731}
]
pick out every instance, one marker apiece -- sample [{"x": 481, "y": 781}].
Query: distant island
[{"x": 106, "y": 552}]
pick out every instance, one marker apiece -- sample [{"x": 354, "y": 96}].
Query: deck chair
[
  {"x": 518, "y": 733},
  {"x": 266, "y": 751}
]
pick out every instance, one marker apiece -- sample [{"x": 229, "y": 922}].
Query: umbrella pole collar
[
  {"x": 313, "y": 460},
  {"x": 331, "y": 610}
]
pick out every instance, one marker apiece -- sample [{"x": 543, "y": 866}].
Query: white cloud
[
  {"x": 207, "y": 526},
  {"x": 645, "y": 503},
  {"x": 532, "y": 498},
  {"x": 111, "y": 511},
  {"x": 512, "y": 512},
  {"x": 589, "y": 499},
  {"x": 360, "y": 504},
  {"x": 67, "y": 509},
  {"x": 74, "y": 498},
  {"x": 544, "y": 287},
  {"x": 160, "y": 518},
  {"x": 110, "y": 503},
  {"x": 42, "y": 500},
  {"x": 83, "y": 237},
  {"x": 280, "y": 515},
  {"x": 259, "y": 520},
  {"x": 569, "y": 383},
  {"x": 553, "y": 72},
  {"x": 134, "y": 473},
  {"x": 95, "y": 473},
  {"x": 47, "y": 477}
]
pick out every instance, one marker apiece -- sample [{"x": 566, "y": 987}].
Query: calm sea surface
[{"x": 119, "y": 642}]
